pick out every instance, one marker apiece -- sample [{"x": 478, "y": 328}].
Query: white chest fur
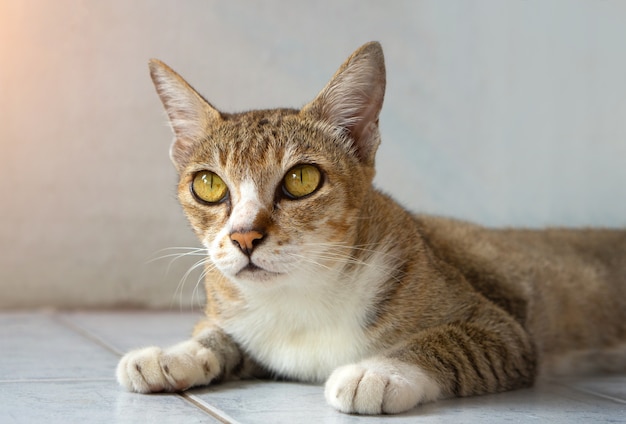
[{"x": 306, "y": 328}]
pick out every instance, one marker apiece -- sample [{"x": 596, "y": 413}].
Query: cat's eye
[
  {"x": 301, "y": 180},
  {"x": 208, "y": 187}
]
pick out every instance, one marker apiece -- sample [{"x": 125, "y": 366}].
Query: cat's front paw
[
  {"x": 379, "y": 386},
  {"x": 178, "y": 368}
]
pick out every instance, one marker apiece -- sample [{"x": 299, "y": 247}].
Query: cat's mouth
[
  {"x": 251, "y": 268},
  {"x": 255, "y": 272}
]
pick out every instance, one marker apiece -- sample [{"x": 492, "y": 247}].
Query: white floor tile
[
  {"x": 128, "y": 330},
  {"x": 36, "y": 346},
  {"x": 60, "y": 368},
  {"x": 91, "y": 402},
  {"x": 285, "y": 402},
  {"x": 611, "y": 387}
]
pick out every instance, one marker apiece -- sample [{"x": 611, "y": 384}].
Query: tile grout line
[
  {"x": 215, "y": 412},
  {"x": 591, "y": 393},
  {"x": 53, "y": 380},
  {"x": 85, "y": 333},
  {"x": 206, "y": 408},
  {"x": 601, "y": 395}
]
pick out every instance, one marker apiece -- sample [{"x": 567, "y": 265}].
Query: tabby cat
[{"x": 314, "y": 275}]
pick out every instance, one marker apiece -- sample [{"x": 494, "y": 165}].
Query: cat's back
[{"x": 455, "y": 237}]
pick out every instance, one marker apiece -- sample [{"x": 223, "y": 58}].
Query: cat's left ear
[
  {"x": 189, "y": 113},
  {"x": 353, "y": 98}
]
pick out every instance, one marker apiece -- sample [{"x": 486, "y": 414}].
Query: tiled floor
[{"x": 58, "y": 368}]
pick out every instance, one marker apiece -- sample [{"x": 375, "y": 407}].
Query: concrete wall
[{"x": 501, "y": 112}]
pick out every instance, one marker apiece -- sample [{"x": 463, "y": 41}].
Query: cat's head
[{"x": 273, "y": 193}]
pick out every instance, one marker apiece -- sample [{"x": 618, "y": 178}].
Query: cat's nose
[{"x": 247, "y": 241}]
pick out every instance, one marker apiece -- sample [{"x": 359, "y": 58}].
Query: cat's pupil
[
  {"x": 208, "y": 187},
  {"x": 301, "y": 181}
]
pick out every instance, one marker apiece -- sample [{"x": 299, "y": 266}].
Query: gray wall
[{"x": 500, "y": 112}]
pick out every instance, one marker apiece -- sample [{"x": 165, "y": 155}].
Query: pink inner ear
[
  {"x": 353, "y": 98},
  {"x": 189, "y": 113},
  {"x": 365, "y": 130}
]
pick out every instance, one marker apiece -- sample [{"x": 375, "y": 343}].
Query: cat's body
[{"x": 314, "y": 275}]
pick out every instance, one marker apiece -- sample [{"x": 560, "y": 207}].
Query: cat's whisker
[
  {"x": 307, "y": 260},
  {"x": 181, "y": 252},
  {"x": 181, "y": 284},
  {"x": 340, "y": 257},
  {"x": 332, "y": 254},
  {"x": 192, "y": 251},
  {"x": 333, "y": 248},
  {"x": 208, "y": 267},
  {"x": 189, "y": 251},
  {"x": 361, "y": 248}
]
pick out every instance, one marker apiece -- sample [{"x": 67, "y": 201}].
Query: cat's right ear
[{"x": 189, "y": 113}]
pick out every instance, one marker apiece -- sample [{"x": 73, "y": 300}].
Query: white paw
[
  {"x": 378, "y": 386},
  {"x": 178, "y": 368}
]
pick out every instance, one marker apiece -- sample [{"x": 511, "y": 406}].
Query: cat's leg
[
  {"x": 456, "y": 359},
  {"x": 209, "y": 356}
]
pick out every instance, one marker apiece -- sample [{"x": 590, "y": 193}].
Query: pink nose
[{"x": 246, "y": 241}]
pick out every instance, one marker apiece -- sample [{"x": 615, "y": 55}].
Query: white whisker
[
  {"x": 180, "y": 252},
  {"x": 342, "y": 253},
  {"x": 191, "y": 251},
  {"x": 208, "y": 267},
  {"x": 366, "y": 248},
  {"x": 181, "y": 284},
  {"x": 308, "y": 260}
]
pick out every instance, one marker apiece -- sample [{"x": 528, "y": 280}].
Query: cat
[{"x": 314, "y": 275}]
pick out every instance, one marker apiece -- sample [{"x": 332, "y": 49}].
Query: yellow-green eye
[
  {"x": 209, "y": 187},
  {"x": 301, "y": 180}
]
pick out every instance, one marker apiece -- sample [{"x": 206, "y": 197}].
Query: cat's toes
[
  {"x": 189, "y": 364},
  {"x": 379, "y": 386},
  {"x": 139, "y": 371},
  {"x": 177, "y": 368}
]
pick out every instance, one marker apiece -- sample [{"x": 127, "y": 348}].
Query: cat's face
[
  {"x": 293, "y": 186},
  {"x": 276, "y": 194}
]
